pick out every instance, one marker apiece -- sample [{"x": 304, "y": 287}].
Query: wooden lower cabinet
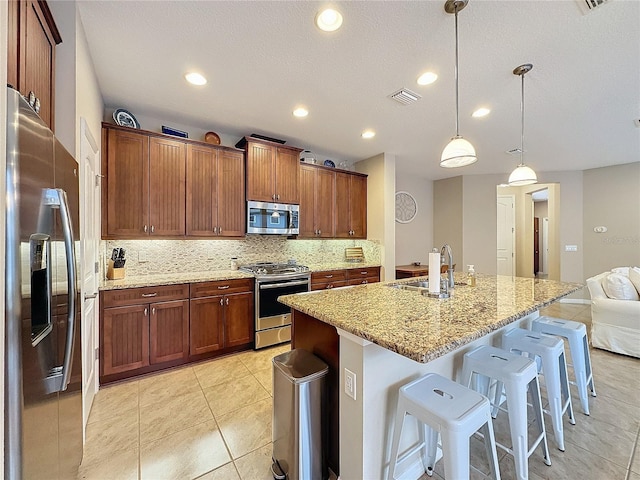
[
  {"x": 207, "y": 325},
  {"x": 185, "y": 323},
  {"x": 169, "y": 331},
  {"x": 125, "y": 342},
  {"x": 221, "y": 321},
  {"x": 328, "y": 279}
]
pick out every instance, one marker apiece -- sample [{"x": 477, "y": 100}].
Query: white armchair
[{"x": 615, "y": 323}]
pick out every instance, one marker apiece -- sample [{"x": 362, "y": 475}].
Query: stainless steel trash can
[{"x": 298, "y": 388}]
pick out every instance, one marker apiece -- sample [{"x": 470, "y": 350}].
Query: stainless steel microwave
[{"x": 272, "y": 218}]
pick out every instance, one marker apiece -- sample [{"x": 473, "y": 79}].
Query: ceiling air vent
[
  {"x": 405, "y": 96},
  {"x": 514, "y": 151},
  {"x": 589, "y": 5}
]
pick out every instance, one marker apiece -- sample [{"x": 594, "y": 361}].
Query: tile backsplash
[{"x": 150, "y": 257}]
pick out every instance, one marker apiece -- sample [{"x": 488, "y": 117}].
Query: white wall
[
  {"x": 414, "y": 240},
  {"x": 381, "y": 187},
  {"x": 3, "y": 168},
  {"x": 611, "y": 199}
]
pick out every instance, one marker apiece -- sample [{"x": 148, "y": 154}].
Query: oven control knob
[{"x": 261, "y": 271}]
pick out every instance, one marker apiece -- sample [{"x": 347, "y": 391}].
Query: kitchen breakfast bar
[{"x": 387, "y": 336}]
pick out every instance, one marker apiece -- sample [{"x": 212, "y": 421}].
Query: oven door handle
[{"x": 279, "y": 285}]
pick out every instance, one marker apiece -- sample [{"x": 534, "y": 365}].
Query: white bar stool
[
  {"x": 550, "y": 350},
  {"x": 518, "y": 374},
  {"x": 576, "y": 334},
  {"x": 444, "y": 407}
]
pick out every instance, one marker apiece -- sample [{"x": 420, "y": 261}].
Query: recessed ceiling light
[
  {"x": 427, "y": 78},
  {"x": 368, "y": 134},
  {"x": 300, "y": 112},
  {"x": 329, "y": 20},
  {"x": 195, "y": 78},
  {"x": 481, "y": 112}
]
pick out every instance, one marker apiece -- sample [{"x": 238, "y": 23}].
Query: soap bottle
[{"x": 471, "y": 276}]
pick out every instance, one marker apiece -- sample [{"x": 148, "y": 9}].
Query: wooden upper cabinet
[
  {"x": 215, "y": 192},
  {"x": 273, "y": 172},
  {"x": 260, "y": 172},
  {"x": 307, "y": 223},
  {"x": 287, "y": 178},
  {"x": 167, "y": 176},
  {"x": 351, "y": 205},
  {"x": 159, "y": 186},
  {"x": 32, "y": 37},
  {"x": 231, "y": 203},
  {"x": 317, "y": 202},
  {"x": 202, "y": 191},
  {"x": 127, "y": 184},
  {"x": 358, "y": 206}
]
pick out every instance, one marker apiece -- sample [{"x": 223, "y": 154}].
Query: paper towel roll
[{"x": 434, "y": 272}]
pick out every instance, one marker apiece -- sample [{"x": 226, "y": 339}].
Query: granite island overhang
[{"x": 388, "y": 336}]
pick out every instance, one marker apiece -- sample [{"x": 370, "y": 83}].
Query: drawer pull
[
  {"x": 363, "y": 273},
  {"x": 147, "y": 295},
  {"x": 328, "y": 276},
  {"x": 224, "y": 287}
]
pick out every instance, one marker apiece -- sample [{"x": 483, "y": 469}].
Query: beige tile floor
[{"x": 213, "y": 421}]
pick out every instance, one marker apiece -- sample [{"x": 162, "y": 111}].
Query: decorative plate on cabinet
[
  {"x": 329, "y": 163},
  {"x": 406, "y": 207},
  {"x": 125, "y": 118},
  {"x": 212, "y": 138}
]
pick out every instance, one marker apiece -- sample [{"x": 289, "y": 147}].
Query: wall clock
[{"x": 406, "y": 207}]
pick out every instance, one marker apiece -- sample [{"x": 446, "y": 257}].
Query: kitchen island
[{"x": 387, "y": 337}]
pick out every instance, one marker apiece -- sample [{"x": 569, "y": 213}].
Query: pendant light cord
[
  {"x": 522, "y": 113},
  {"x": 456, "y": 75}
]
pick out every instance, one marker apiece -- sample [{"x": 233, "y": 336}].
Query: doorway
[{"x": 540, "y": 230}]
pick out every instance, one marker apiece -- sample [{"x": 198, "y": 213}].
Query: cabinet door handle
[
  {"x": 329, "y": 286},
  {"x": 146, "y": 311},
  {"x": 277, "y": 197},
  {"x": 227, "y": 301},
  {"x": 222, "y": 301},
  {"x": 145, "y": 229},
  {"x": 365, "y": 281},
  {"x": 215, "y": 230},
  {"x": 153, "y": 229},
  {"x": 224, "y": 287},
  {"x": 146, "y": 295},
  {"x": 153, "y": 310},
  {"x": 319, "y": 232},
  {"x": 273, "y": 197},
  {"x": 219, "y": 230}
]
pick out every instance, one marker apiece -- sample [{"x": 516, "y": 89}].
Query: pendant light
[
  {"x": 522, "y": 175},
  {"x": 458, "y": 152}
]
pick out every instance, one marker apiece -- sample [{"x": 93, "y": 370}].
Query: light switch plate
[{"x": 570, "y": 248}]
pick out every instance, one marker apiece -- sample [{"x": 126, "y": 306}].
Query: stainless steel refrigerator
[{"x": 43, "y": 368}]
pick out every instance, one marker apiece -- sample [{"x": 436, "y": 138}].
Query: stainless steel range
[{"x": 272, "y": 318}]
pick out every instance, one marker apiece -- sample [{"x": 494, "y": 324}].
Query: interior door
[
  {"x": 90, "y": 239},
  {"x": 506, "y": 235}
]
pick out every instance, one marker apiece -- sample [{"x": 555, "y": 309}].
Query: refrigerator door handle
[{"x": 71, "y": 287}]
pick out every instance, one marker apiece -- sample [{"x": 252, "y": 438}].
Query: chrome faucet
[{"x": 447, "y": 249}]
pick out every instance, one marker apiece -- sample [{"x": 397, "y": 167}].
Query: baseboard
[{"x": 582, "y": 301}]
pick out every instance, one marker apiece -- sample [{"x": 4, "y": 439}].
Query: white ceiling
[{"x": 262, "y": 59}]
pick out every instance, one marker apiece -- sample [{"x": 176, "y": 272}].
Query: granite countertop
[
  {"x": 423, "y": 328},
  {"x": 213, "y": 275},
  {"x": 172, "y": 279},
  {"x": 319, "y": 267}
]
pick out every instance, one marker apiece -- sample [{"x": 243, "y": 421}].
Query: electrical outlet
[
  {"x": 570, "y": 248},
  {"x": 350, "y": 383},
  {"x": 143, "y": 256}
]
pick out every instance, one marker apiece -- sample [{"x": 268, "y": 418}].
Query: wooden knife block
[{"x": 114, "y": 273}]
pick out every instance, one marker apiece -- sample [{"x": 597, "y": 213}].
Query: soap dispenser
[{"x": 471, "y": 276}]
